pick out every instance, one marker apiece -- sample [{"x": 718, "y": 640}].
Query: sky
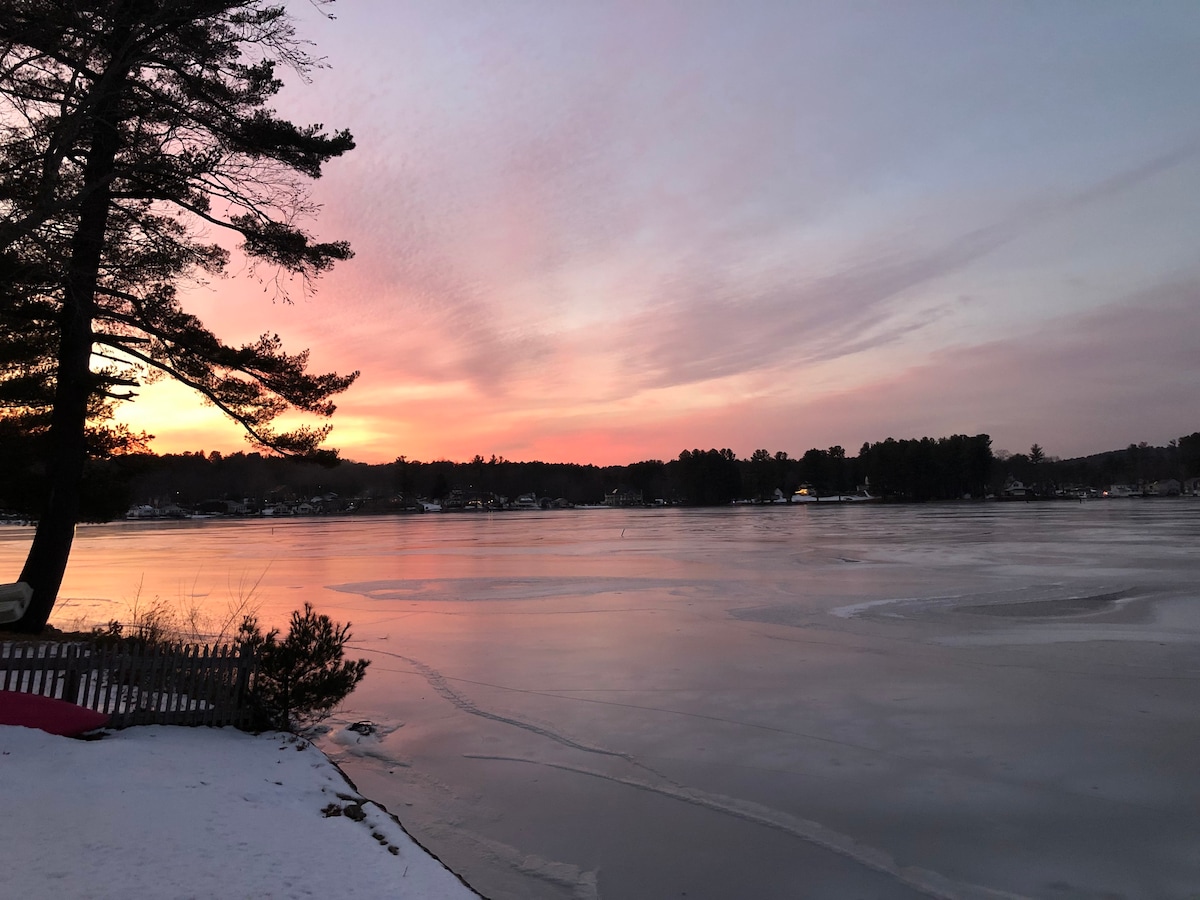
[{"x": 609, "y": 231}]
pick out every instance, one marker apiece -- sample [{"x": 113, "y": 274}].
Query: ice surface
[{"x": 948, "y": 701}]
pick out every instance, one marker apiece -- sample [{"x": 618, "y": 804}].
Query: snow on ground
[{"x": 198, "y": 812}]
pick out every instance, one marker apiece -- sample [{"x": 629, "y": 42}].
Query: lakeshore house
[
  {"x": 623, "y": 496},
  {"x": 1014, "y": 487}
]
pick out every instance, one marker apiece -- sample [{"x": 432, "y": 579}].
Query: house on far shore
[
  {"x": 1166, "y": 487},
  {"x": 623, "y": 496},
  {"x": 1122, "y": 490},
  {"x": 1014, "y": 487}
]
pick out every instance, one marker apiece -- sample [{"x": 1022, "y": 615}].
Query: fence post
[{"x": 72, "y": 674}]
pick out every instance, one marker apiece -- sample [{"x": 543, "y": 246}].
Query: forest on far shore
[{"x": 914, "y": 470}]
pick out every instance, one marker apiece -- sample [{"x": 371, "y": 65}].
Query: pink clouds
[
  {"x": 610, "y": 232},
  {"x": 1076, "y": 385}
]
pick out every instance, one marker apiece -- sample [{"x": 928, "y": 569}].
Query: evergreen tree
[
  {"x": 707, "y": 477},
  {"x": 300, "y": 679},
  {"x": 128, "y": 128}
]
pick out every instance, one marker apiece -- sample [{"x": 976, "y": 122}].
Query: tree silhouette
[
  {"x": 708, "y": 477},
  {"x": 128, "y": 128}
]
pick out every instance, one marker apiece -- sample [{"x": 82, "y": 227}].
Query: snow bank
[{"x": 198, "y": 812}]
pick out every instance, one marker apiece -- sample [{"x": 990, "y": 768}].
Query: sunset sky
[{"x": 606, "y": 231}]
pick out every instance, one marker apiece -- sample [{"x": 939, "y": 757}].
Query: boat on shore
[{"x": 806, "y": 494}]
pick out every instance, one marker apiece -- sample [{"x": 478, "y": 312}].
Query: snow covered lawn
[{"x": 198, "y": 812}]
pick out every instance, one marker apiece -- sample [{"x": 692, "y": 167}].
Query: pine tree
[
  {"x": 300, "y": 679},
  {"x": 128, "y": 130}
]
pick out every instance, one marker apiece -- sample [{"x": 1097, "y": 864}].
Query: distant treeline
[{"x": 912, "y": 470}]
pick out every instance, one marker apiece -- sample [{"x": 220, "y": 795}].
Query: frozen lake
[{"x": 886, "y": 702}]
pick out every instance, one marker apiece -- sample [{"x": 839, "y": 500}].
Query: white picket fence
[{"x": 135, "y": 683}]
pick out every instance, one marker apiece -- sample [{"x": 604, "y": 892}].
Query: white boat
[{"x": 857, "y": 497}]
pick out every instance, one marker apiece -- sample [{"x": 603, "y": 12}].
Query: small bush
[{"x": 300, "y": 679}]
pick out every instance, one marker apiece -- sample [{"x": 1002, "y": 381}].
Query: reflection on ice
[
  {"x": 474, "y": 590},
  {"x": 1066, "y": 634},
  {"x": 1039, "y": 601},
  {"x": 1071, "y": 604},
  {"x": 948, "y": 701}
]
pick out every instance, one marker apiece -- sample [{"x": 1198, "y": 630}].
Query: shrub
[{"x": 300, "y": 679}]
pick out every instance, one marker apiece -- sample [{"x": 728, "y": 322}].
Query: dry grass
[{"x": 159, "y": 620}]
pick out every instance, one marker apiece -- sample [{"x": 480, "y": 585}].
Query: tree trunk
[
  {"x": 67, "y": 448},
  {"x": 47, "y": 560}
]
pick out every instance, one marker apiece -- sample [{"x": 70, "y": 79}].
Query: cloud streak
[{"x": 605, "y": 228}]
